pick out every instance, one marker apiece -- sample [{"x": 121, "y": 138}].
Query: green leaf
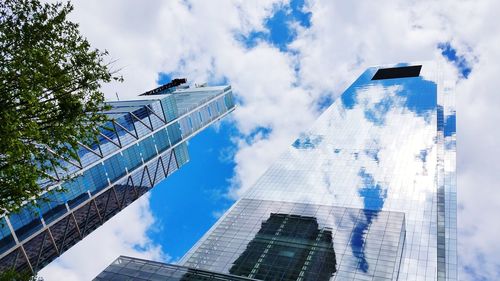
[{"x": 50, "y": 80}]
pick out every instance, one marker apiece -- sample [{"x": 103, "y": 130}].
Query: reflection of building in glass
[
  {"x": 268, "y": 240},
  {"x": 288, "y": 247},
  {"x": 377, "y": 169},
  {"x": 146, "y": 143}
]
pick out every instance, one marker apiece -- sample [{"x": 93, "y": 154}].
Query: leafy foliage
[
  {"x": 50, "y": 96},
  {"x": 12, "y": 275}
]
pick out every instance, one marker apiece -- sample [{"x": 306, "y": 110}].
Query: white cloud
[
  {"x": 124, "y": 234},
  {"x": 195, "y": 39},
  {"x": 478, "y": 152}
]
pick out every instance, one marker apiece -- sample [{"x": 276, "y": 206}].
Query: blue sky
[
  {"x": 278, "y": 27},
  {"x": 461, "y": 63},
  {"x": 287, "y": 61},
  {"x": 189, "y": 202}
]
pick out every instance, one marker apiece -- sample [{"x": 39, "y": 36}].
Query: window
[
  {"x": 190, "y": 122},
  {"x": 161, "y": 140},
  {"x": 174, "y": 133},
  {"x": 115, "y": 167},
  {"x": 132, "y": 157},
  {"x": 96, "y": 178},
  {"x": 147, "y": 148}
]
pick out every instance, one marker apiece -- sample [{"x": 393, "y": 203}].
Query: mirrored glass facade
[
  {"x": 278, "y": 240},
  {"x": 367, "y": 193},
  {"x": 126, "y": 268},
  {"x": 143, "y": 143}
]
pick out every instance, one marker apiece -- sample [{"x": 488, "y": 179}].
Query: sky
[{"x": 286, "y": 61}]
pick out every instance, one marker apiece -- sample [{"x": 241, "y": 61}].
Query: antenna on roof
[
  {"x": 169, "y": 87},
  {"x": 117, "y": 97}
]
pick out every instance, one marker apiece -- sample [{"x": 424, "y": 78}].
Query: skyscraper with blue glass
[
  {"x": 367, "y": 193},
  {"x": 143, "y": 143}
]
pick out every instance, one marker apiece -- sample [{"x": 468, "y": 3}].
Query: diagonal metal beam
[
  {"x": 107, "y": 202},
  {"x": 65, "y": 232},
  {"x": 116, "y": 133},
  {"x": 86, "y": 219},
  {"x": 40, "y": 252},
  {"x": 154, "y": 113},
  {"x": 175, "y": 158},
  {"x": 53, "y": 241},
  {"x": 97, "y": 210},
  {"x": 126, "y": 130},
  {"x": 169, "y": 162},
  {"x": 91, "y": 150},
  {"x": 21, "y": 248},
  {"x": 145, "y": 175},
  {"x": 77, "y": 226},
  {"x": 110, "y": 140},
  {"x": 138, "y": 119}
]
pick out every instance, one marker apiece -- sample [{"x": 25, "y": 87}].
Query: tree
[
  {"x": 50, "y": 97},
  {"x": 12, "y": 275}
]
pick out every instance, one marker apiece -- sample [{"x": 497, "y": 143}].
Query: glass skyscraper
[
  {"x": 143, "y": 143},
  {"x": 367, "y": 193}
]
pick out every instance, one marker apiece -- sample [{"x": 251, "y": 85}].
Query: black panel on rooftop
[{"x": 397, "y": 72}]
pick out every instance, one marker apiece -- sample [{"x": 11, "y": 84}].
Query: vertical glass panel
[
  {"x": 96, "y": 178},
  {"x": 185, "y": 128},
  {"x": 52, "y": 205},
  {"x": 174, "y": 133},
  {"x": 147, "y": 148},
  {"x": 181, "y": 154},
  {"x": 161, "y": 140},
  {"x": 228, "y": 100},
  {"x": 169, "y": 108},
  {"x": 115, "y": 167},
  {"x": 217, "y": 106},
  {"x": 25, "y": 222},
  {"x": 190, "y": 121},
  {"x": 75, "y": 191},
  {"x": 132, "y": 157}
]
